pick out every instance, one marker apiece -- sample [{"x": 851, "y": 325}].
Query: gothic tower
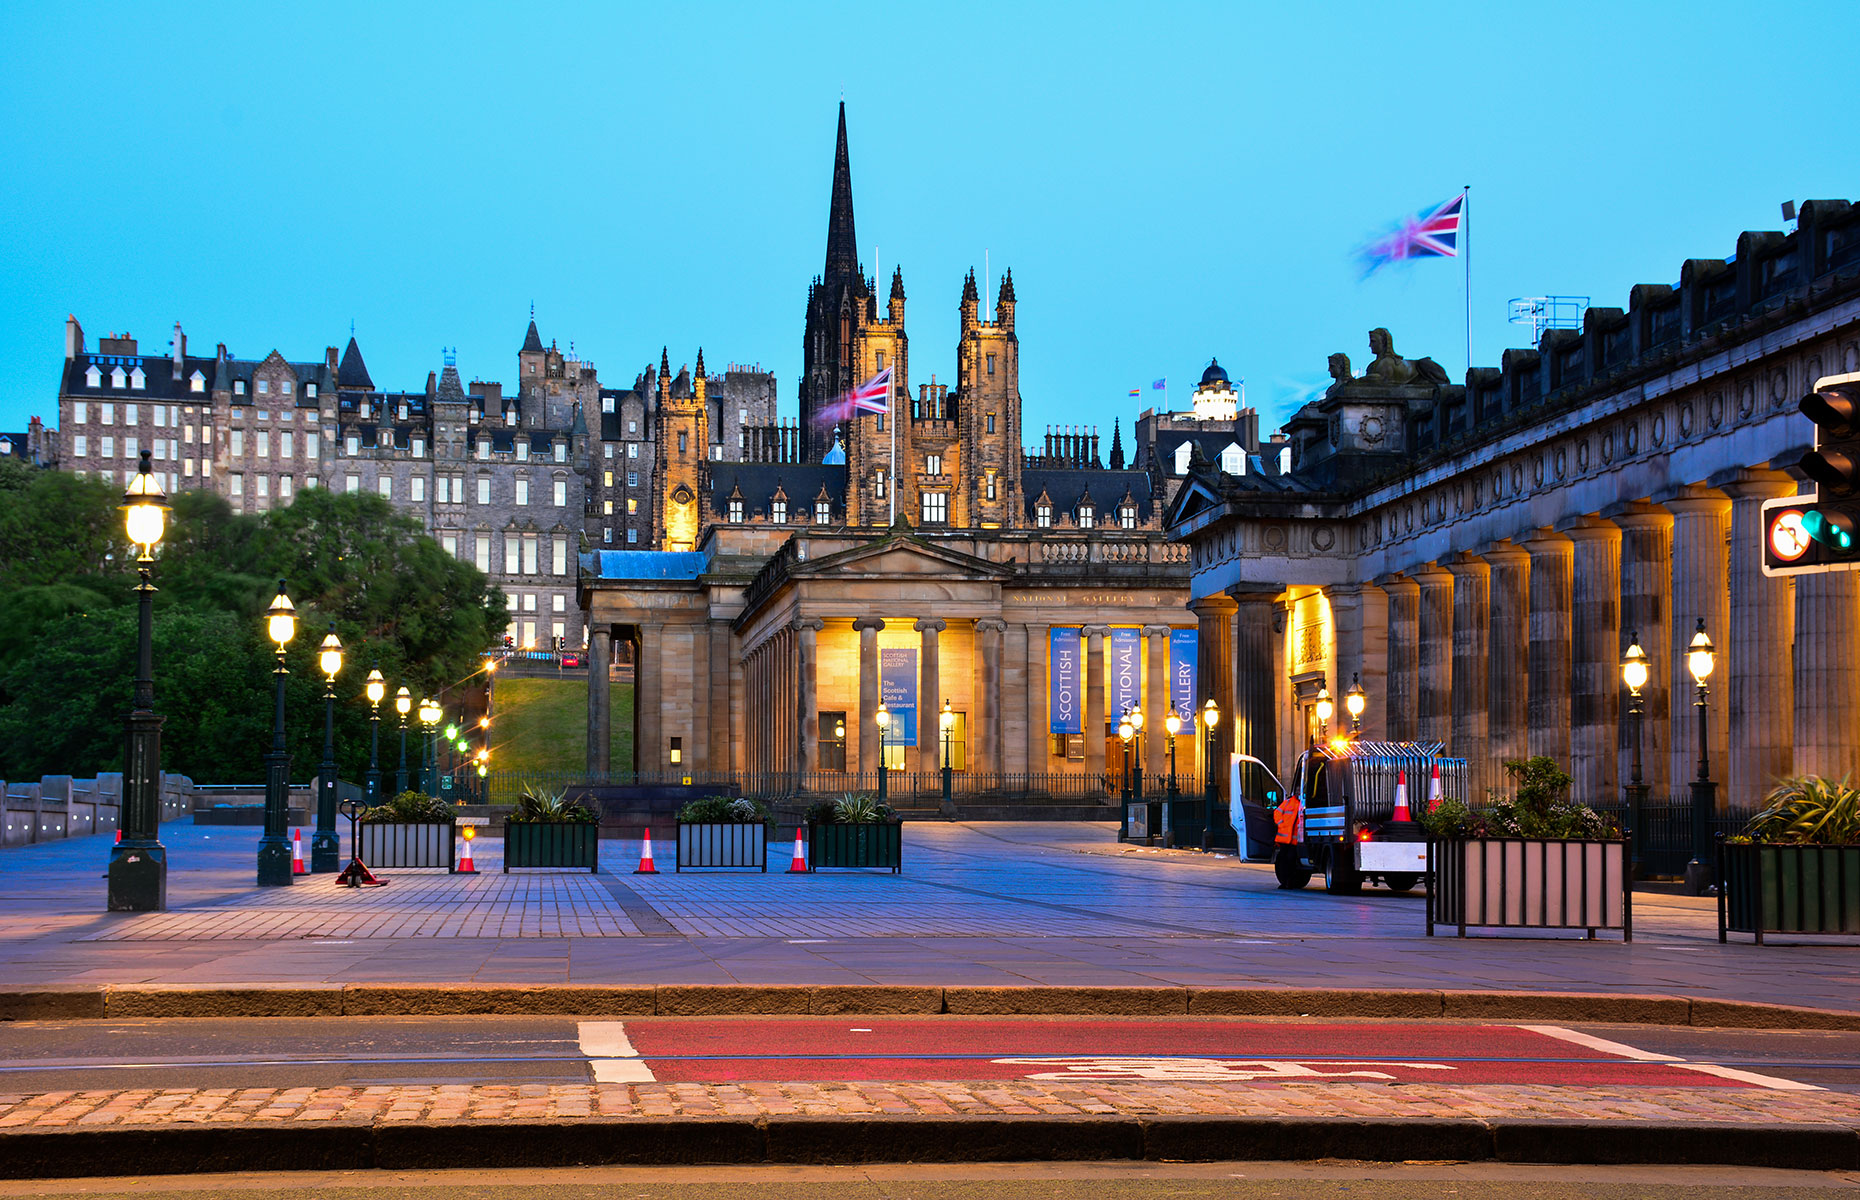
[
  {"x": 836, "y": 307},
  {"x": 988, "y": 411},
  {"x": 682, "y": 434},
  {"x": 879, "y": 342}
]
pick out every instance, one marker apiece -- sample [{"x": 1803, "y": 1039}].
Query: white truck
[{"x": 1344, "y": 826}]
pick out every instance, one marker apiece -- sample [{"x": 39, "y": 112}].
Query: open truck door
[{"x": 1252, "y": 814}]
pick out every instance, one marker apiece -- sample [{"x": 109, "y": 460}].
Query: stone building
[{"x": 1479, "y": 554}]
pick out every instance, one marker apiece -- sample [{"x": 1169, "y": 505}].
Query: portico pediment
[
  {"x": 1194, "y": 499},
  {"x": 898, "y": 557}
]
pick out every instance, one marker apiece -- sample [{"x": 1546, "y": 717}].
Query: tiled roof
[
  {"x": 353, "y": 372},
  {"x": 1067, "y": 487},
  {"x": 801, "y": 483}
]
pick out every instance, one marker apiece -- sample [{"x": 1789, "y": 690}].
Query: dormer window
[
  {"x": 823, "y": 512},
  {"x": 137, "y": 379},
  {"x": 1233, "y": 460},
  {"x": 238, "y": 387},
  {"x": 364, "y": 409},
  {"x": 354, "y": 444},
  {"x": 1127, "y": 516},
  {"x": 778, "y": 511},
  {"x": 484, "y": 448},
  {"x": 419, "y": 447},
  {"x": 1181, "y": 457},
  {"x": 118, "y": 378},
  {"x": 310, "y": 390},
  {"x": 736, "y": 510},
  {"x": 1043, "y": 516},
  {"x": 196, "y": 382},
  {"x": 523, "y": 452},
  {"x": 561, "y": 451},
  {"x": 607, "y": 404},
  {"x": 1087, "y": 515},
  {"x": 93, "y": 377}
]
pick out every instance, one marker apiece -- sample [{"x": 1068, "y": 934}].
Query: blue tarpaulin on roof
[{"x": 644, "y": 564}]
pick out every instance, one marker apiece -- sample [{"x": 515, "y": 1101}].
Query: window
[
  {"x": 879, "y": 489},
  {"x": 736, "y": 509},
  {"x": 933, "y": 464},
  {"x": 823, "y": 512},
  {"x": 93, "y": 377},
  {"x": 936, "y": 508},
  {"x": 989, "y": 485},
  {"x": 310, "y": 446},
  {"x": 561, "y": 452},
  {"x": 385, "y": 485},
  {"x": 286, "y": 387},
  {"x": 1181, "y": 457},
  {"x": 681, "y": 441},
  {"x": 1086, "y": 516},
  {"x": 79, "y": 411},
  {"x": 484, "y": 489},
  {"x": 991, "y": 422},
  {"x": 263, "y": 439},
  {"x": 187, "y": 468},
  {"x": 1233, "y": 460},
  {"x": 161, "y": 411},
  {"x": 385, "y": 438},
  {"x": 130, "y": 448},
  {"x": 238, "y": 387},
  {"x": 354, "y": 484},
  {"x": 832, "y": 754},
  {"x": 130, "y": 416},
  {"x": 953, "y": 749},
  {"x": 284, "y": 487},
  {"x": 484, "y": 448},
  {"x": 264, "y": 387},
  {"x": 559, "y": 602},
  {"x": 529, "y": 601},
  {"x": 106, "y": 447},
  {"x": 117, "y": 377},
  {"x": 284, "y": 444},
  {"x": 79, "y": 446},
  {"x": 529, "y": 555},
  {"x": 419, "y": 447},
  {"x": 778, "y": 511},
  {"x": 513, "y": 554},
  {"x": 561, "y": 493},
  {"x": 197, "y": 382},
  {"x": 607, "y": 404},
  {"x": 632, "y": 449},
  {"x": 607, "y": 534},
  {"x": 365, "y": 409},
  {"x": 263, "y": 489},
  {"x": 881, "y": 360},
  {"x": 632, "y": 426},
  {"x": 482, "y": 553},
  {"x": 609, "y": 449},
  {"x": 1127, "y": 516},
  {"x": 607, "y": 478},
  {"x": 559, "y": 555},
  {"x": 632, "y": 479},
  {"x": 632, "y": 505},
  {"x": 991, "y": 364},
  {"x": 310, "y": 391},
  {"x": 238, "y": 484},
  {"x": 416, "y": 488},
  {"x": 881, "y": 422},
  {"x": 109, "y": 414},
  {"x": 523, "y": 450},
  {"x": 607, "y": 508},
  {"x": 354, "y": 444},
  {"x": 1043, "y": 516},
  {"x": 450, "y": 543},
  {"x": 523, "y": 491}
]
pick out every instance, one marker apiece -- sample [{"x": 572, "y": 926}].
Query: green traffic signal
[{"x": 1831, "y": 529}]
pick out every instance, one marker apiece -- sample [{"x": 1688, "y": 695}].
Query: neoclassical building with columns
[{"x": 1478, "y": 555}]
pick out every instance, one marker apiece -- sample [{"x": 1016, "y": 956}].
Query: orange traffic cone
[
  {"x": 645, "y": 857},
  {"x": 465, "y": 865},
  {"x": 1433, "y": 790},
  {"x": 297, "y": 852},
  {"x": 119, "y": 837},
  {"x": 799, "y": 865},
  {"x": 1401, "y": 798}
]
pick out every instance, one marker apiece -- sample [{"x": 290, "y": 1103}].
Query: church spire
[{"x": 842, "y": 242}]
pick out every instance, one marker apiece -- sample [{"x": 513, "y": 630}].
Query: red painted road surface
[{"x": 695, "y": 1050}]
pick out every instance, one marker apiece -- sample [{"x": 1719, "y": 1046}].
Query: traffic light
[{"x": 1821, "y": 532}]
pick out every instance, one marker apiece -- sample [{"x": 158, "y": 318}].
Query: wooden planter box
[
  {"x": 1764, "y": 887},
  {"x": 1530, "y": 883},
  {"x": 406, "y": 843},
  {"x": 744, "y": 845},
  {"x": 880, "y": 844},
  {"x": 552, "y": 844}
]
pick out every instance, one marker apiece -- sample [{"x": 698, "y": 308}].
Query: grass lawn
[{"x": 540, "y": 732}]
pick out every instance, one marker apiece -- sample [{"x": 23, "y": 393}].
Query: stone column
[
  {"x": 1404, "y": 669},
  {"x": 1360, "y": 615},
  {"x": 721, "y": 703},
  {"x": 1646, "y": 613},
  {"x": 1595, "y": 660},
  {"x": 1552, "y": 570},
  {"x": 1472, "y": 642},
  {"x": 1434, "y": 721},
  {"x": 1508, "y": 650},
  {"x": 1017, "y": 703},
  {"x": 988, "y": 695},
  {"x": 1155, "y": 700},
  {"x": 1701, "y": 588},
  {"x": 1249, "y": 722},
  {"x": 600, "y": 719},
  {"x": 870, "y": 752},
  {"x": 929, "y": 694},
  {"x": 1094, "y": 699},
  {"x": 1827, "y": 675},
  {"x": 647, "y": 691},
  {"x": 1039, "y": 715},
  {"x": 807, "y": 707},
  {"x": 1216, "y": 668},
  {"x": 1759, "y": 682}
]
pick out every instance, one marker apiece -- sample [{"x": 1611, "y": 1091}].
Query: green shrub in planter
[
  {"x": 854, "y": 831},
  {"x": 1796, "y": 866},
  {"x": 539, "y": 806},
  {"x": 725, "y": 810},
  {"x": 408, "y": 808}
]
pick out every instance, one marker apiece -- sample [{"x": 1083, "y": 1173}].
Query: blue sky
[{"x": 1167, "y": 182}]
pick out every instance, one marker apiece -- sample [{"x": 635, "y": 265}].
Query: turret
[
  {"x": 1004, "y": 302},
  {"x": 897, "y": 296},
  {"x": 971, "y": 302}
]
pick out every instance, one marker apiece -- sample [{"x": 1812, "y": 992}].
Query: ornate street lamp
[
  {"x": 1172, "y": 725},
  {"x": 403, "y": 704},
  {"x": 1325, "y": 710},
  {"x": 1124, "y": 730},
  {"x": 1136, "y": 740},
  {"x": 274, "y": 856},
  {"x": 375, "y": 687},
  {"x": 325, "y": 848},
  {"x": 883, "y": 719},
  {"x": 1210, "y": 717},
  {"x": 1634, "y": 673},
  {"x": 430, "y": 712},
  {"x": 947, "y": 720},
  {"x": 1701, "y": 657},
  {"x": 1354, "y": 702},
  {"x": 138, "y": 870}
]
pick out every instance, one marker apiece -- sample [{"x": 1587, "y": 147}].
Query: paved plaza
[{"x": 977, "y": 904}]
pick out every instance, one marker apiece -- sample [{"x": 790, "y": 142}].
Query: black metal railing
[{"x": 903, "y": 789}]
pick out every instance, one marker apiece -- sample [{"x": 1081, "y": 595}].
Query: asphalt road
[
  {"x": 1015, "y": 1181},
  {"x": 40, "y": 1056}
]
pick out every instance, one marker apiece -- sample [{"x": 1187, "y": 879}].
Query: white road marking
[
  {"x": 610, "y": 1053},
  {"x": 1601, "y": 1044},
  {"x": 1182, "y": 1069},
  {"x": 1773, "y": 1082}
]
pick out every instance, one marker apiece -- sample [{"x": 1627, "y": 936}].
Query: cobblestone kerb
[{"x": 117, "y": 1002}]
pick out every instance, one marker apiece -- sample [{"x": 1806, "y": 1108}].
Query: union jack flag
[
  {"x": 1431, "y": 233},
  {"x": 872, "y": 396}
]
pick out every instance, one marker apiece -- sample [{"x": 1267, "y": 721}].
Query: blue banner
[
  {"x": 897, "y": 686},
  {"x": 1066, "y": 690},
  {"x": 1184, "y": 647},
  {"x": 1126, "y": 671}
]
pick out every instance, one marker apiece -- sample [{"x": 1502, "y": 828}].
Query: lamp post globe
[
  {"x": 946, "y": 720},
  {"x": 1326, "y": 709},
  {"x": 274, "y": 855},
  {"x": 882, "y": 718},
  {"x": 325, "y": 848},
  {"x": 1210, "y": 784},
  {"x": 1701, "y": 657},
  {"x": 138, "y": 868},
  {"x": 375, "y": 688},
  {"x": 430, "y": 713},
  {"x": 1354, "y": 702},
  {"x": 1635, "y": 671},
  {"x": 1172, "y": 725},
  {"x": 403, "y": 704}
]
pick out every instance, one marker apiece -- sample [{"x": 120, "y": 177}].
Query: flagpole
[
  {"x": 1466, "y": 255},
  {"x": 891, "y": 417}
]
